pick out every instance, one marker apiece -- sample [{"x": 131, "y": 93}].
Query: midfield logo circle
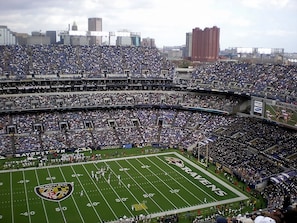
[{"x": 54, "y": 191}]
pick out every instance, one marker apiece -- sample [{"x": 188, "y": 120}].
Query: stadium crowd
[
  {"x": 92, "y": 61},
  {"x": 234, "y": 143},
  {"x": 271, "y": 80},
  {"x": 250, "y": 149},
  {"x": 122, "y": 98},
  {"x": 273, "y": 216}
]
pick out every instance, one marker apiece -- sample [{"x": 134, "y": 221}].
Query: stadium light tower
[
  {"x": 207, "y": 154},
  {"x": 208, "y": 140},
  {"x": 204, "y": 142},
  {"x": 198, "y": 152}
]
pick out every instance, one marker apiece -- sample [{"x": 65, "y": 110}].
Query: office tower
[
  {"x": 52, "y": 35},
  {"x": 136, "y": 39},
  {"x": 7, "y": 37},
  {"x": 188, "y": 48},
  {"x": 124, "y": 41},
  {"x": 148, "y": 42},
  {"x": 95, "y": 24},
  {"x": 205, "y": 44}
]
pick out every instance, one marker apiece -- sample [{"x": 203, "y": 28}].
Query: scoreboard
[{"x": 281, "y": 113}]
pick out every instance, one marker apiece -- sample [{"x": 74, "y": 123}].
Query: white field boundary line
[
  {"x": 237, "y": 192},
  {"x": 182, "y": 186},
  {"x": 140, "y": 187},
  {"x": 98, "y": 189},
  {"x": 141, "y": 156},
  {"x": 85, "y": 192},
  {"x": 201, "y": 206},
  {"x": 11, "y": 198},
  {"x": 169, "y": 201},
  {"x": 164, "y": 182},
  {"x": 26, "y": 194},
  {"x": 115, "y": 193},
  {"x": 80, "y": 163},
  {"x": 42, "y": 201},
  {"x": 81, "y": 217},
  {"x": 205, "y": 205},
  {"x": 59, "y": 203},
  {"x": 240, "y": 197},
  {"x": 187, "y": 179}
]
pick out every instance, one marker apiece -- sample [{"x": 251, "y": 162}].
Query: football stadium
[{"x": 121, "y": 134}]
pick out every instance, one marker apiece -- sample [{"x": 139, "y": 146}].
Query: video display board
[{"x": 281, "y": 114}]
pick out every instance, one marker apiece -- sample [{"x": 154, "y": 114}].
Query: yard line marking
[
  {"x": 169, "y": 201},
  {"x": 83, "y": 162},
  {"x": 164, "y": 182},
  {"x": 128, "y": 208},
  {"x": 80, "y": 163},
  {"x": 237, "y": 192},
  {"x": 159, "y": 214},
  {"x": 184, "y": 176},
  {"x": 59, "y": 203},
  {"x": 140, "y": 187},
  {"x": 98, "y": 189},
  {"x": 175, "y": 180},
  {"x": 26, "y": 194},
  {"x": 43, "y": 205},
  {"x": 11, "y": 198},
  {"x": 85, "y": 192},
  {"x": 81, "y": 217}
]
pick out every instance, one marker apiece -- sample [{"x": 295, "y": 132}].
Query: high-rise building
[
  {"x": 124, "y": 41},
  {"x": 127, "y": 38},
  {"x": 7, "y": 37},
  {"x": 38, "y": 38},
  {"x": 136, "y": 39},
  {"x": 205, "y": 44},
  {"x": 52, "y": 35},
  {"x": 148, "y": 42},
  {"x": 95, "y": 24},
  {"x": 21, "y": 38},
  {"x": 188, "y": 48}
]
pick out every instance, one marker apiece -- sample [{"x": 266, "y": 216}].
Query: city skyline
[{"x": 243, "y": 23}]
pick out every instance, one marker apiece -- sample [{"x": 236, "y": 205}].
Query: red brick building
[{"x": 205, "y": 44}]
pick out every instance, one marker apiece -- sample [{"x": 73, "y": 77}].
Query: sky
[{"x": 242, "y": 23}]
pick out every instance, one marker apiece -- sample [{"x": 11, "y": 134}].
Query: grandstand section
[{"x": 239, "y": 117}]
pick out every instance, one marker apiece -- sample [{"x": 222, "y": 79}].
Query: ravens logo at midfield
[{"x": 54, "y": 191}]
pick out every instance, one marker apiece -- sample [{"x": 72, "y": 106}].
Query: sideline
[{"x": 80, "y": 163}]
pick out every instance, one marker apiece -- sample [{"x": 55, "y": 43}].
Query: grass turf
[{"x": 146, "y": 185}]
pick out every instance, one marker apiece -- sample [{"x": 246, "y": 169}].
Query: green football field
[{"x": 107, "y": 190}]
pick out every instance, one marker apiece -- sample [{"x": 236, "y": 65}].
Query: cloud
[
  {"x": 262, "y": 4},
  {"x": 165, "y": 20},
  {"x": 280, "y": 33}
]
